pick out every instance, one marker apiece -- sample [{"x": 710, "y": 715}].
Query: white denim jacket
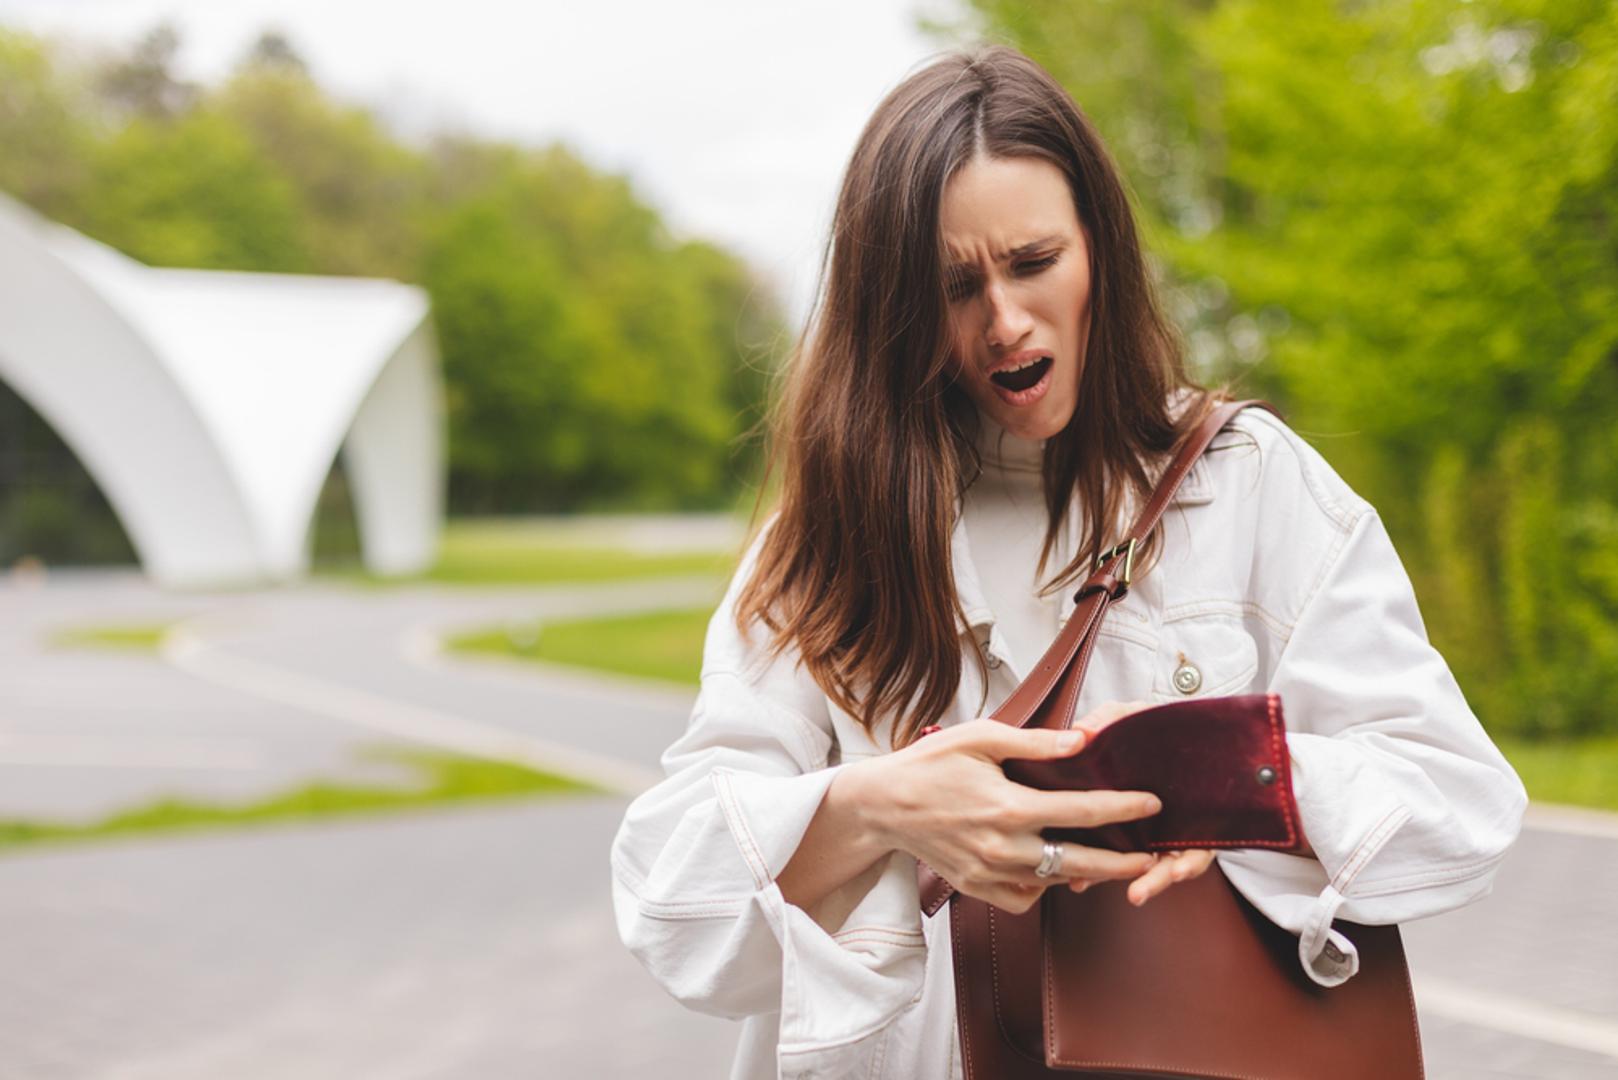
[{"x": 1275, "y": 577}]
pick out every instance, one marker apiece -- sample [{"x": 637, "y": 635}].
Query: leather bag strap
[{"x": 1047, "y": 697}]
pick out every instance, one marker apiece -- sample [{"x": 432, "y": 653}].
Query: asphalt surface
[{"x": 478, "y": 941}]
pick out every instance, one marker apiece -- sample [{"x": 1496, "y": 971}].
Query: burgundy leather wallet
[{"x": 1219, "y": 765}]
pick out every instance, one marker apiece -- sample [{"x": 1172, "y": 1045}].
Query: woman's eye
[{"x": 960, "y": 289}]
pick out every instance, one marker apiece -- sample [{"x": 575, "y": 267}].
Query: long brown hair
[{"x": 874, "y": 441}]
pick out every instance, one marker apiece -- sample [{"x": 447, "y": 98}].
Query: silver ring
[{"x": 1052, "y": 859}]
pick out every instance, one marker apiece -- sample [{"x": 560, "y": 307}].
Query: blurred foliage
[
  {"x": 592, "y": 359},
  {"x": 48, "y": 503},
  {"x": 474, "y": 552},
  {"x": 137, "y": 637},
  {"x": 438, "y": 777},
  {"x": 660, "y": 645},
  {"x": 1399, "y": 220}
]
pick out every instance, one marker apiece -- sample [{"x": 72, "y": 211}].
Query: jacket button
[
  {"x": 1187, "y": 679},
  {"x": 994, "y": 662}
]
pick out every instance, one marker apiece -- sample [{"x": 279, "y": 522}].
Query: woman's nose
[{"x": 1009, "y": 322}]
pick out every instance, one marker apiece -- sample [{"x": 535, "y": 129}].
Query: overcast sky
[{"x": 733, "y": 117}]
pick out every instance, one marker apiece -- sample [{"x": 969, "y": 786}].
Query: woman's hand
[
  {"x": 946, "y": 800},
  {"x": 1171, "y": 867}
]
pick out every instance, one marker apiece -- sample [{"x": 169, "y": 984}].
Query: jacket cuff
[
  {"x": 1301, "y": 894},
  {"x": 872, "y": 965},
  {"x": 768, "y": 815},
  {"x": 1294, "y": 894}
]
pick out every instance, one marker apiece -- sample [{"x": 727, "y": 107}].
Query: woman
[{"x": 987, "y": 388}]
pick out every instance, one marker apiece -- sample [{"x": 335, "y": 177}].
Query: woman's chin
[{"x": 1041, "y": 420}]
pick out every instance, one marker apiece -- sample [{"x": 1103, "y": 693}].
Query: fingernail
[
  {"x": 1069, "y": 740},
  {"x": 1153, "y": 804}
]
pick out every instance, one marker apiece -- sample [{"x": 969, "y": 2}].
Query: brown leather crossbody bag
[{"x": 1197, "y": 982}]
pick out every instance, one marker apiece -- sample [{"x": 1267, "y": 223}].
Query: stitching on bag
[
  {"x": 1167, "y": 1067},
  {"x": 1410, "y": 1002},
  {"x": 1069, "y": 699},
  {"x": 994, "y": 968},
  {"x": 960, "y": 978},
  {"x": 1050, "y": 999}
]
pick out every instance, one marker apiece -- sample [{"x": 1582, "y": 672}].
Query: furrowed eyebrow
[{"x": 965, "y": 269}]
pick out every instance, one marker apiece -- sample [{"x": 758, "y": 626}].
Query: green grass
[
  {"x": 517, "y": 552},
  {"x": 142, "y": 637},
  {"x": 1579, "y": 773},
  {"x": 663, "y": 645},
  {"x": 493, "y": 563},
  {"x": 448, "y": 778}
]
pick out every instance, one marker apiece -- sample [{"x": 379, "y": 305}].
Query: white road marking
[
  {"x": 424, "y": 647},
  {"x": 125, "y": 752},
  {"x": 190, "y": 653},
  {"x": 1516, "y": 1016}
]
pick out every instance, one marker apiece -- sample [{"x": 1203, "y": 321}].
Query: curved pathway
[{"x": 477, "y": 941}]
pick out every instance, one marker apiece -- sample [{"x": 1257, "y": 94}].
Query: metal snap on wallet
[{"x": 1219, "y": 765}]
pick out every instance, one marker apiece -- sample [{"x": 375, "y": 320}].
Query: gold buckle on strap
[{"x": 1126, "y": 548}]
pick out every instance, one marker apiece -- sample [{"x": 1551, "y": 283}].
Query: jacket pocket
[{"x": 1203, "y": 655}]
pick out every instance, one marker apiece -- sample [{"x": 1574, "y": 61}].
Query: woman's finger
[
  {"x": 1082, "y": 809},
  {"x": 1192, "y": 864},
  {"x": 1108, "y": 713},
  {"x": 996, "y": 741},
  {"x": 1172, "y": 867},
  {"x": 1093, "y": 864},
  {"x": 1152, "y": 882}
]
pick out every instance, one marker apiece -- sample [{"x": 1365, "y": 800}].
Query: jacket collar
[{"x": 1195, "y": 490}]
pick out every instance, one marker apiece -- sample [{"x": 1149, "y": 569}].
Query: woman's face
[{"x": 1018, "y": 279}]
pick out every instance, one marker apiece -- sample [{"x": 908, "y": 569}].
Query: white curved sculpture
[{"x": 209, "y": 405}]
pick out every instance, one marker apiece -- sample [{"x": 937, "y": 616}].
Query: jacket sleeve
[
  {"x": 695, "y": 859},
  {"x": 1408, "y": 805}
]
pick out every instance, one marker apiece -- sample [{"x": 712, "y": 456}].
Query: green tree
[
  {"x": 583, "y": 345},
  {"x": 1407, "y": 209},
  {"x": 592, "y": 360},
  {"x": 46, "y": 134}
]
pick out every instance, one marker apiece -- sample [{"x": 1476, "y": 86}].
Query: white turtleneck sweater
[{"x": 1005, "y": 517}]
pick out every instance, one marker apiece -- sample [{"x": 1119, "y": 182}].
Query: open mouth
[{"x": 1024, "y": 377}]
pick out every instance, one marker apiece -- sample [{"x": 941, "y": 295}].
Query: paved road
[{"x": 477, "y": 942}]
